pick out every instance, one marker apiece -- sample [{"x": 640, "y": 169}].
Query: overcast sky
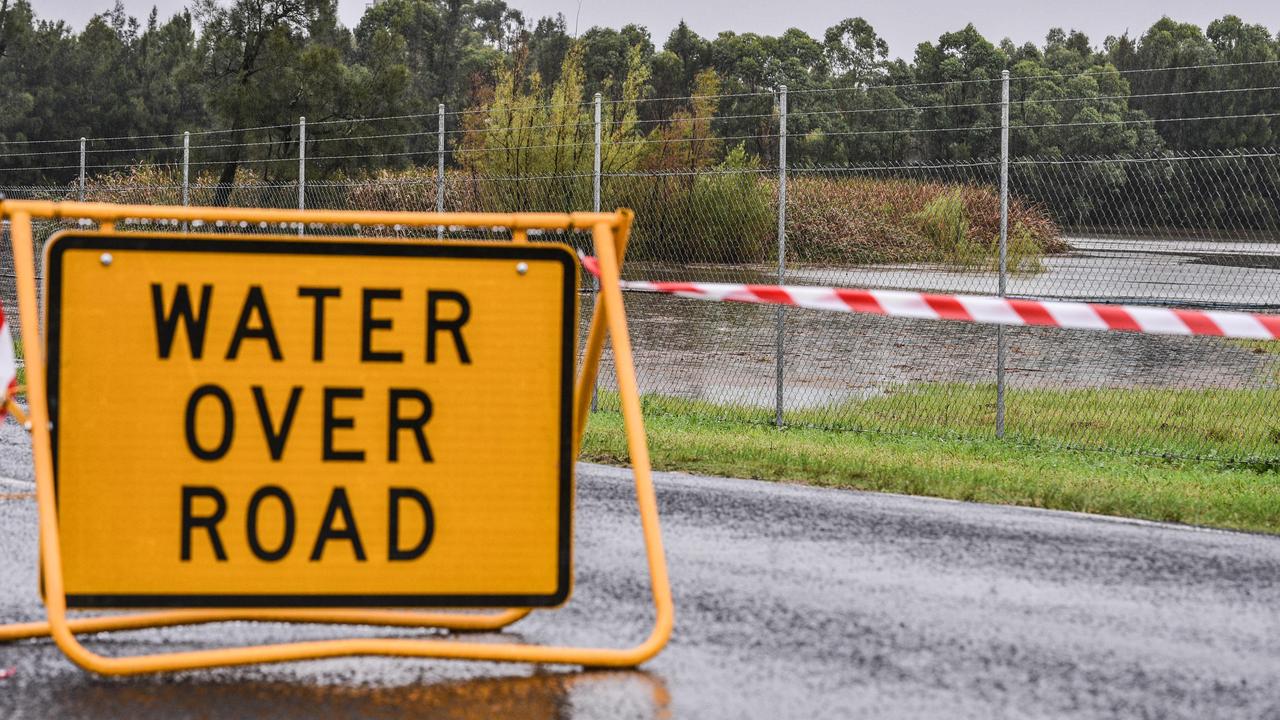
[{"x": 902, "y": 23}]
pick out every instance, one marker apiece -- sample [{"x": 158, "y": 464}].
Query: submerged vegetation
[
  {"x": 1037, "y": 471},
  {"x": 895, "y": 220}
]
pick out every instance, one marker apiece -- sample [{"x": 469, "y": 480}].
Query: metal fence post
[
  {"x": 595, "y": 196},
  {"x": 186, "y": 173},
  {"x": 80, "y": 196},
  {"x": 595, "y": 206},
  {"x": 1004, "y": 245},
  {"x": 780, "y": 350},
  {"x": 302, "y": 169},
  {"x": 186, "y": 168},
  {"x": 440, "y": 168}
]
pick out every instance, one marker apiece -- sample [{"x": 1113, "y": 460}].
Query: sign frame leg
[{"x": 609, "y": 234}]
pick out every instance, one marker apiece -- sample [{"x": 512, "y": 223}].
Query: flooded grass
[
  {"x": 1213, "y": 424},
  {"x": 1259, "y": 347},
  {"x": 738, "y": 442},
  {"x": 22, "y": 367}
]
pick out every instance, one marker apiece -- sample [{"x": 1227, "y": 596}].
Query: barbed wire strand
[{"x": 797, "y": 91}]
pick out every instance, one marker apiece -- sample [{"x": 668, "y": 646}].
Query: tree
[
  {"x": 242, "y": 50},
  {"x": 693, "y": 53},
  {"x": 448, "y": 44},
  {"x": 673, "y": 71},
  {"x": 22, "y": 69},
  {"x": 859, "y": 118},
  {"x": 1170, "y": 44},
  {"x": 246, "y": 69},
  {"x": 523, "y": 129},
  {"x": 1248, "y": 54},
  {"x": 606, "y": 55},
  {"x": 548, "y": 46},
  {"x": 961, "y": 90},
  {"x": 854, "y": 51},
  {"x": 1187, "y": 88}
]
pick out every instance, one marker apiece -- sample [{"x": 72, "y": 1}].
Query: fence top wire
[
  {"x": 362, "y": 155},
  {"x": 464, "y": 151},
  {"x": 614, "y": 143},
  {"x": 515, "y": 128},
  {"x": 1015, "y": 126},
  {"x": 1043, "y": 76},
  {"x": 76, "y": 151},
  {"x": 158, "y": 136},
  {"x": 1163, "y": 157},
  {"x": 1239, "y": 116},
  {"x": 610, "y": 123},
  {"x": 1166, "y": 156},
  {"x": 613, "y": 123},
  {"x": 668, "y": 141},
  {"x": 756, "y": 93},
  {"x": 692, "y": 171},
  {"x": 1024, "y": 101},
  {"x": 895, "y": 166},
  {"x": 617, "y": 123},
  {"x": 1179, "y": 93}
]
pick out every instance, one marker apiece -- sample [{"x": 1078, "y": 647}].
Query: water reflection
[
  {"x": 725, "y": 353},
  {"x": 542, "y": 696}
]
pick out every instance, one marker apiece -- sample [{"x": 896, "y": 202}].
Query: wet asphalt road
[{"x": 791, "y": 602}]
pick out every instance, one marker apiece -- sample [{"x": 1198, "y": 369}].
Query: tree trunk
[{"x": 227, "y": 180}]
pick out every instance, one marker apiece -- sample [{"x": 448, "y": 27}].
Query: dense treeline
[{"x": 251, "y": 67}]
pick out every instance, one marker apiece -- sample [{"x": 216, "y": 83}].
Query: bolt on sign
[{"x": 265, "y": 422}]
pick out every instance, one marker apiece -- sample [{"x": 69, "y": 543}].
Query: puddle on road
[{"x": 550, "y": 696}]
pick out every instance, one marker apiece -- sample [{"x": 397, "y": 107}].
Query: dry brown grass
[
  {"x": 866, "y": 220},
  {"x": 724, "y": 218}
]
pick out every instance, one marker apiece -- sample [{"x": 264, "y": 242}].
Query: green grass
[
  {"x": 1240, "y": 425},
  {"x": 22, "y": 369},
  {"x": 686, "y": 436},
  {"x": 1261, "y": 347}
]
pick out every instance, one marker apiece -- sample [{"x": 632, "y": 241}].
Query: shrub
[
  {"x": 722, "y": 215},
  {"x": 862, "y": 220},
  {"x": 945, "y": 225},
  {"x": 410, "y": 189},
  {"x": 725, "y": 213},
  {"x": 145, "y": 184}
]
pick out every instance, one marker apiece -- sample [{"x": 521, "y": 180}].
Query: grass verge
[
  {"x": 22, "y": 367},
  {"x": 1226, "y": 424},
  {"x": 1186, "y": 491}
]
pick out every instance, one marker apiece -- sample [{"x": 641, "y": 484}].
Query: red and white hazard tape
[
  {"x": 8, "y": 366},
  {"x": 977, "y": 308}
]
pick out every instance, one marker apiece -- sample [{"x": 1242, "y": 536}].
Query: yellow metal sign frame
[
  {"x": 609, "y": 231},
  {"x": 97, "y": 399}
]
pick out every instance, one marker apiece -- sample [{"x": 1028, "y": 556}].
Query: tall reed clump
[
  {"x": 876, "y": 220},
  {"x": 695, "y": 201},
  {"x": 944, "y": 223},
  {"x": 945, "y": 226}
]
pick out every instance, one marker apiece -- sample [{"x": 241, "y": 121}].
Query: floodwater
[{"x": 726, "y": 352}]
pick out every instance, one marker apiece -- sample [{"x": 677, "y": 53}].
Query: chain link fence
[
  {"x": 1181, "y": 396},
  {"x": 1168, "y": 228}
]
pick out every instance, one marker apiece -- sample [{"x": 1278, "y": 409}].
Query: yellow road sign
[{"x": 266, "y": 422}]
